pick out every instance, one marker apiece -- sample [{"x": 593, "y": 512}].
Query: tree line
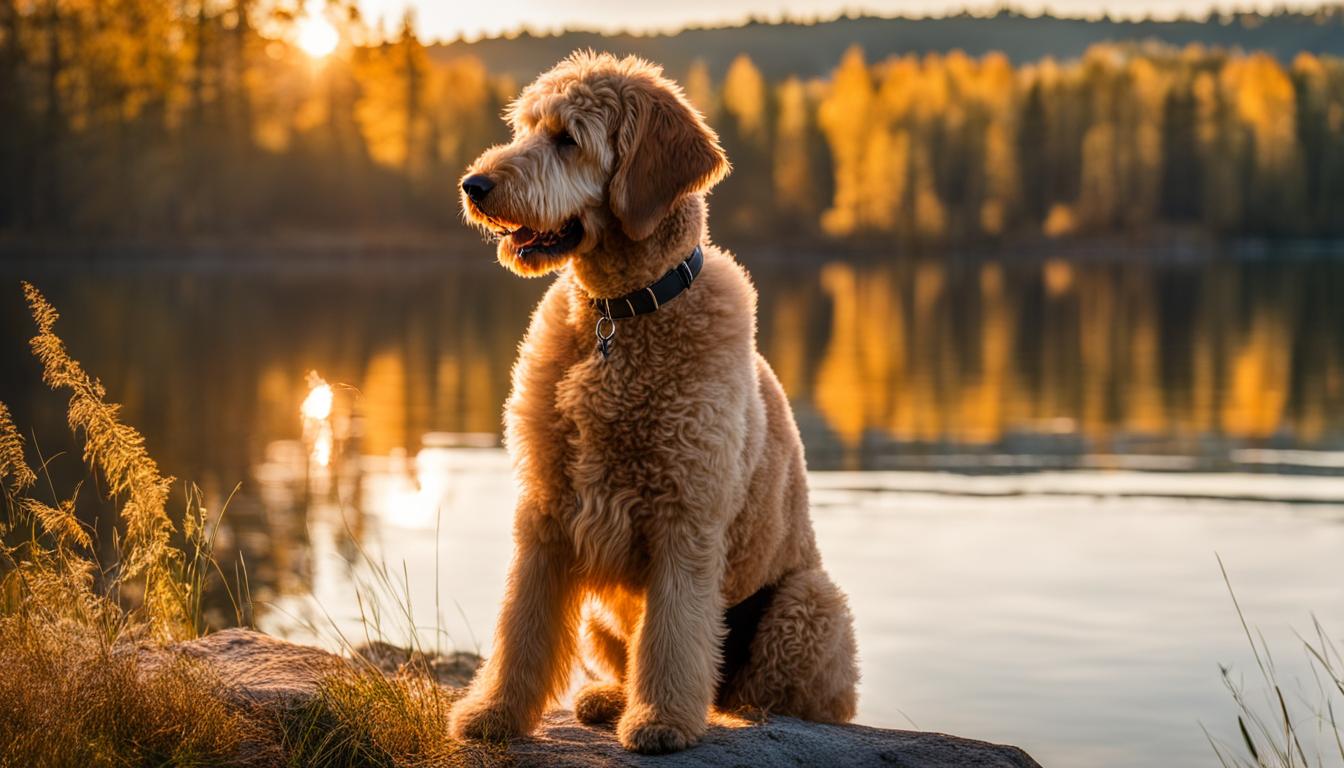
[
  {"x": 1130, "y": 139},
  {"x": 153, "y": 118}
]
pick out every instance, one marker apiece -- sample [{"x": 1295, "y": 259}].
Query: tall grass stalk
[
  {"x": 1278, "y": 728},
  {"x": 117, "y": 450}
]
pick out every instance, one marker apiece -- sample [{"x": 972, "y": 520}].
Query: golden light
[
  {"x": 317, "y": 429},
  {"x": 317, "y": 37},
  {"x": 317, "y": 405},
  {"x": 322, "y": 445}
]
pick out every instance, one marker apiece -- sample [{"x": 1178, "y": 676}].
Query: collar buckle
[{"x": 646, "y": 300}]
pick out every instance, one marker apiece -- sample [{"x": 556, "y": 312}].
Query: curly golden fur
[{"x": 666, "y": 483}]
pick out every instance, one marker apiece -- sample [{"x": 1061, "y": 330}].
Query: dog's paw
[
  {"x": 651, "y": 736},
  {"x": 480, "y": 719},
  {"x": 599, "y": 703}
]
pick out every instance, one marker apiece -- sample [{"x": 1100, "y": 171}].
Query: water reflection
[
  {"x": 888, "y": 364},
  {"x": 900, "y": 364},
  {"x": 1061, "y": 357},
  {"x": 381, "y": 537}
]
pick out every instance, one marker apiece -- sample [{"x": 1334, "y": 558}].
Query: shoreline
[{"x": 336, "y": 253}]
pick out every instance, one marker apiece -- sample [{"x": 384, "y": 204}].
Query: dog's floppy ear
[{"x": 664, "y": 152}]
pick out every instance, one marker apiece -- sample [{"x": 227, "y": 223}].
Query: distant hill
[{"x": 814, "y": 49}]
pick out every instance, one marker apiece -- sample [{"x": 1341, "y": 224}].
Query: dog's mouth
[{"x": 528, "y": 242}]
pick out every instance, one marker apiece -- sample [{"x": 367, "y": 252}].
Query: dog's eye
[{"x": 563, "y": 139}]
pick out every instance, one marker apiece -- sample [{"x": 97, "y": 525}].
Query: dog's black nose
[{"x": 477, "y": 186}]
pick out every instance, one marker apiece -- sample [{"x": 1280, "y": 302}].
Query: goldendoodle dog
[{"x": 662, "y": 515}]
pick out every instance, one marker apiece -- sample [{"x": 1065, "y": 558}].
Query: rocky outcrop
[
  {"x": 263, "y": 671},
  {"x": 782, "y": 741},
  {"x": 260, "y": 669}
]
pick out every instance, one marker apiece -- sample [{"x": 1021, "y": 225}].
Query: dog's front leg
[
  {"x": 535, "y": 643},
  {"x": 676, "y": 645}
]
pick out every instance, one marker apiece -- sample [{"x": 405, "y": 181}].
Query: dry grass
[
  {"x": 118, "y": 452},
  {"x": 368, "y": 719},
  {"x": 86, "y": 675},
  {"x": 67, "y": 698},
  {"x": 1280, "y": 727}
]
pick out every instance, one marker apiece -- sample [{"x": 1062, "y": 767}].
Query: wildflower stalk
[
  {"x": 118, "y": 452},
  {"x": 15, "y": 474}
]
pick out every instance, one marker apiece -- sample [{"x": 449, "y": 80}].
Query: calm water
[{"x": 1023, "y": 469}]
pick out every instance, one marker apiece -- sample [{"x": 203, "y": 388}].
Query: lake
[{"x": 1022, "y": 468}]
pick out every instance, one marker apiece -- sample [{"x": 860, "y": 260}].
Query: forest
[{"x": 156, "y": 119}]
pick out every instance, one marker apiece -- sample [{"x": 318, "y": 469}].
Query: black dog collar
[
  {"x": 651, "y": 297},
  {"x": 646, "y": 300}
]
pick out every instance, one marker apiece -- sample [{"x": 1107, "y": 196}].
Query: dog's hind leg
[
  {"x": 803, "y": 661},
  {"x": 607, "y": 627}
]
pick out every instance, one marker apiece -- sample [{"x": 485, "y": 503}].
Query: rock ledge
[{"x": 265, "y": 671}]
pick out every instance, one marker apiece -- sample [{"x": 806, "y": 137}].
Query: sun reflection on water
[
  {"x": 317, "y": 405},
  {"x": 316, "y": 410}
]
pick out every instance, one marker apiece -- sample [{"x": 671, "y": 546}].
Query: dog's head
[{"x": 602, "y": 148}]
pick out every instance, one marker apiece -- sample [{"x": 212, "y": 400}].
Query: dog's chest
[{"x": 623, "y": 424}]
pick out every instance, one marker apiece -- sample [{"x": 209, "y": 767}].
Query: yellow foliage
[
  {"x": 1266, "y": 102},
  {"x": 997, "y": 82},
  {"x": 744, "y": 97},
  {"x": 899, "y": 90},
  {"x": 844, "y": 117},
  {"x": 1308, "y": 65},
  {"x": 699, "y": 88},
  {"x": 1060, "y": 222},
  {"x": 1098, "y": 199},
  {"x": 883, "y": 178},
  {"x": 392, "y": 113},
  {"x": 930, "y": 215},
  {"x": 792, "y": 173},
  {"x": 1000, "y": 178},
  {"x": 460, "y": 91},
  {"x": 933, "y": 89}
]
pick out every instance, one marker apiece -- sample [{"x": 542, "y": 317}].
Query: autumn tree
[
  {"x": 844, "y": 118},
  {"x": 745, "y": 133},
  {"x": 1266, "y": 109},
  {"x": 699, "y": 87},
  {"x": 1319, "y": 85},
  {"x": 794, "y": 171}
]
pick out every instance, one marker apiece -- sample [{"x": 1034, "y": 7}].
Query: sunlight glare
[
  {"x": 316, "y": 410},
  {"x": 322, "y": 445},
  {"x": 317, "y": 37},
  {"x": 317, "y": 405}
]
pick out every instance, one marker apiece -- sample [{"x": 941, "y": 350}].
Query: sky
[{"x": 450, "y": 19}]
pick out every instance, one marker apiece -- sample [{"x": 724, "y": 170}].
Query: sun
[{"x": 316, "y": 36}]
